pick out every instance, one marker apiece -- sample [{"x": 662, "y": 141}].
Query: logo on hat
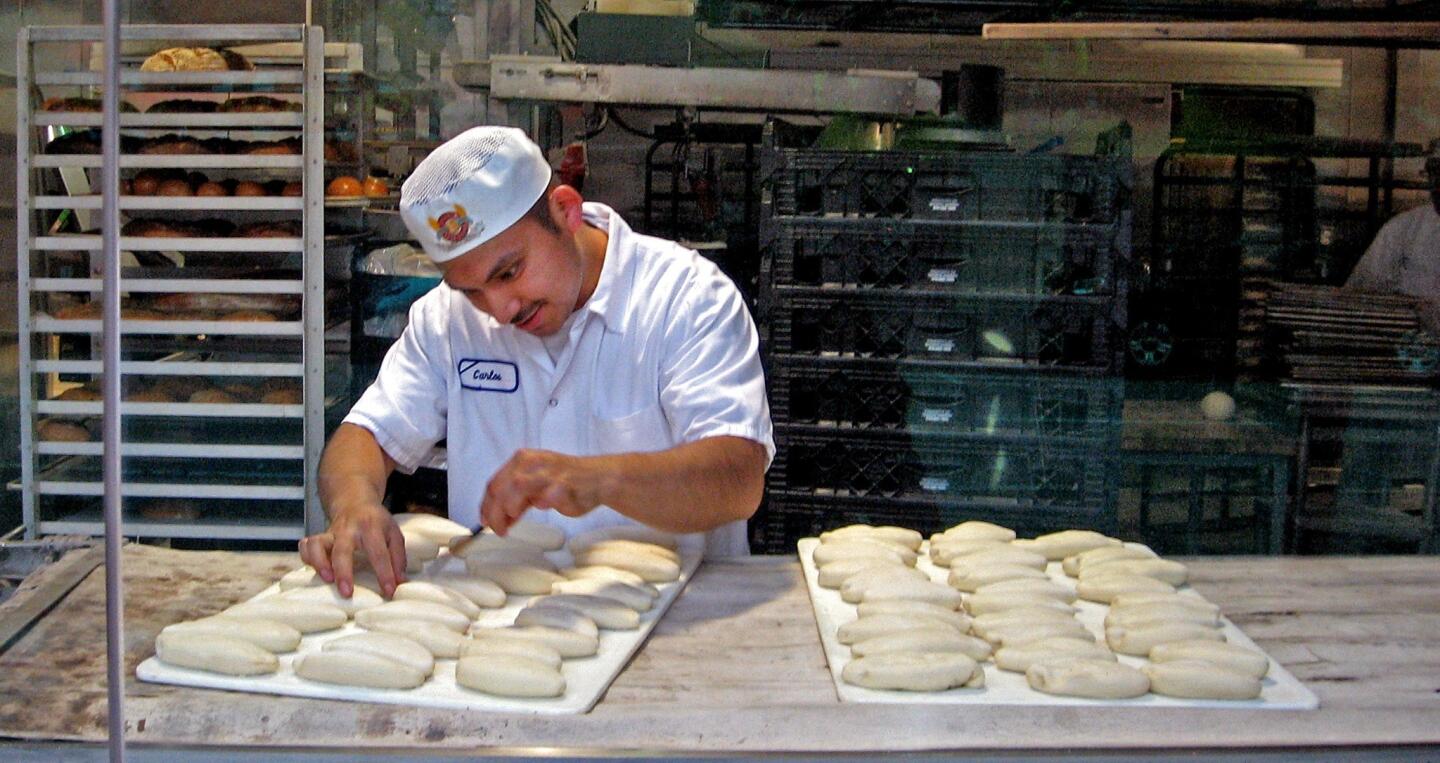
[{"x": 453, "y": 226}]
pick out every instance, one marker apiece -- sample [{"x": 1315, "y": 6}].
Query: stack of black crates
[{"x": 942, "y": 333}]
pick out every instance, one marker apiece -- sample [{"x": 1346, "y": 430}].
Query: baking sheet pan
[
  {"x": 586, "y": 679},
  {"x": 1281, "y": 690}
]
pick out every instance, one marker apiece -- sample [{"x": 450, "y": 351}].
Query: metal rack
[
  {"x": 242, "y": 463},
  {"x": 940, "y": 334},
  {"x": 1233, "y": 218}
]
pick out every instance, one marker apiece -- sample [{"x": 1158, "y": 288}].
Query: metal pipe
[{"x": 110, "y": 390}]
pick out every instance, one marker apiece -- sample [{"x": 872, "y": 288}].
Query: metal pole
[{"x": 110, "y": 353}]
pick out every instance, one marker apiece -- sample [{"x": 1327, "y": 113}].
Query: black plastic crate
[
  {"x": 1015, "y": 473},
  {"x": 1034, "y": 259},
  {"x": 1066, "y": 331},
  {"x": 848, "y": 393},
  {"x": 940, "y": 185},
  {"x": 785, "y": 517}
]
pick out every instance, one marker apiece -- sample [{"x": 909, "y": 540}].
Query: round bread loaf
[
  {"x": 249, "y": 316},
  {"x": 172, "y": 145},
  {"x": 182, "y": 106},
  {"x": 82, "y": 394},
  {"x": 175, "y": 187},
  {"x": 258, "y": 104},
  {"x": 282, "y": 397},
  {"x": 212, "y": 395},
  {"x": 149, "y": 395},
  {"x": 58, "y": 430},
  {"x": 169, "y": 510}
]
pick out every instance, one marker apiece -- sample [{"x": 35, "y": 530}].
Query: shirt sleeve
[
  {"x": 405, "y": 407},
  {"x": 1379, "y": 268},
  {"x": 711, "y": 380}
]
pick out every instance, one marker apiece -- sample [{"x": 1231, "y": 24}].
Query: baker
[
  {"x": 578, "y": 372},
  {"x": 1404, "y": 258}
]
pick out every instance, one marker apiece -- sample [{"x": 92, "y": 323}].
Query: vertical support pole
[
  {"x": 110, "y": 388},
  {"x": 313, "y": 271},
  {"x": 24, "y": 218},
  {"x": 1389, "y": 115},
  {"x": 1301, "y": 480},
  {"x": 1279, "y": 504}
]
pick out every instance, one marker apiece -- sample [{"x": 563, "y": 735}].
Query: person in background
[
  {"x": 1404, "y": 258},
  {"x": 579, "y": 373}
]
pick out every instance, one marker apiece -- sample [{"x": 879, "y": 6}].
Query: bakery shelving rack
[
  {"x": 224, "y": 466},
  {"x": 939, "y": 328}
]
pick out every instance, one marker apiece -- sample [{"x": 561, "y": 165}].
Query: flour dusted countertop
[{"x": 736, "y": 666}]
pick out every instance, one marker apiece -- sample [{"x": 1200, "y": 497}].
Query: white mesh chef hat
[{"x": 471, "y": 188}]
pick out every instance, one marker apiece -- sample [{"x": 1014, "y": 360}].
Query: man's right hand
[{"x": 372, "y": 530}]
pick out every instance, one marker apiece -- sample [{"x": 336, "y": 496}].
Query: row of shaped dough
[
  {"x": 433, "y": 616},
  {"x": 1000, "y": 604}
]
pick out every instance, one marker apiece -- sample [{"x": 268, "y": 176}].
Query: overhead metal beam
[
  {"x": 1418, "y": 34},
  {"x": 859, "y": 92}
]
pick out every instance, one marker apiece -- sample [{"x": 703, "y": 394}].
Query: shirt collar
[{"x": 617, "y": 274}]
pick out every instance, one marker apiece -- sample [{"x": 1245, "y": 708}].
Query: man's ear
[{"x": 565, "y": 207}]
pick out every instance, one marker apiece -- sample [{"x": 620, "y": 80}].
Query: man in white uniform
[
  {"x": 569, "y": 363},
  {"x": 1404, "y": 258}
]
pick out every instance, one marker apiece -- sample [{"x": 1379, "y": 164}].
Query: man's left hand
[{"x": 541, "y": 479}]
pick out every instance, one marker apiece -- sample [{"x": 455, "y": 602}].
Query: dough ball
[
  {"x": 911, "y": 671},
  {"x": 1217, "y": 406},
  {"x": 509, "y": 675},
  {"x": 1087, "y": 677},
  {"x": 1198, "y": 679}
]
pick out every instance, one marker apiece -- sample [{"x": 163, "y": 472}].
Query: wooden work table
[{"x": 736, "y": 666}]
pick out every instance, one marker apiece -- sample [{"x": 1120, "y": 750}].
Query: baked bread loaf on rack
[
  {"x": 172, "y": 144},
  {"x": 257, "y": 104},
  {"x": 79, "y": 104},
  {"x": 183, "y": 106},
  {"x": 196, "y": 60}
]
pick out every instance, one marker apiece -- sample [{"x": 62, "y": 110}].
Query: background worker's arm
[
  {"x": 694, "y": 487},
  {"x": 352, "y": 477}
]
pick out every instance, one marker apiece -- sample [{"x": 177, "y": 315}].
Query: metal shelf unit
[
  {"x": 1234, "y": 218},
  {"x": 218, "y": 468},
  {"x": 940, "y": 332}
]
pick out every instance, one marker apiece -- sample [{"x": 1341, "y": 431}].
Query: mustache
[{"x": 524, "y": 315}]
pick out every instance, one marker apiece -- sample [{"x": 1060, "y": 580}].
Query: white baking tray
[
  {"x": 586, "y": 679},
  {"x": 1280, "y": 690}
]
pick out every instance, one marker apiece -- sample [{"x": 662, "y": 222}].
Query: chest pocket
[{"x": 642, "y": 431}]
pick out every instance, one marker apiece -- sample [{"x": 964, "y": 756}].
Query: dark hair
[{"x": 540, "y": 210}]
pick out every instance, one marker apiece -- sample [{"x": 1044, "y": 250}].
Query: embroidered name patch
[{"x": 488, "y": 375}]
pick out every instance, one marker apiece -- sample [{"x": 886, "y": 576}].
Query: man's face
[{"x": 529, "y": 276}]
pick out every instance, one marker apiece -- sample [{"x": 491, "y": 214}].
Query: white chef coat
[
  {"x": 1404, "y": 258},
  {"x": 663, "y": 353}
]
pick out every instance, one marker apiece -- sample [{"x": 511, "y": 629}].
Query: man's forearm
[
  {"x": 353, "y": 471},
  {"x": 693, "y": 487}
]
